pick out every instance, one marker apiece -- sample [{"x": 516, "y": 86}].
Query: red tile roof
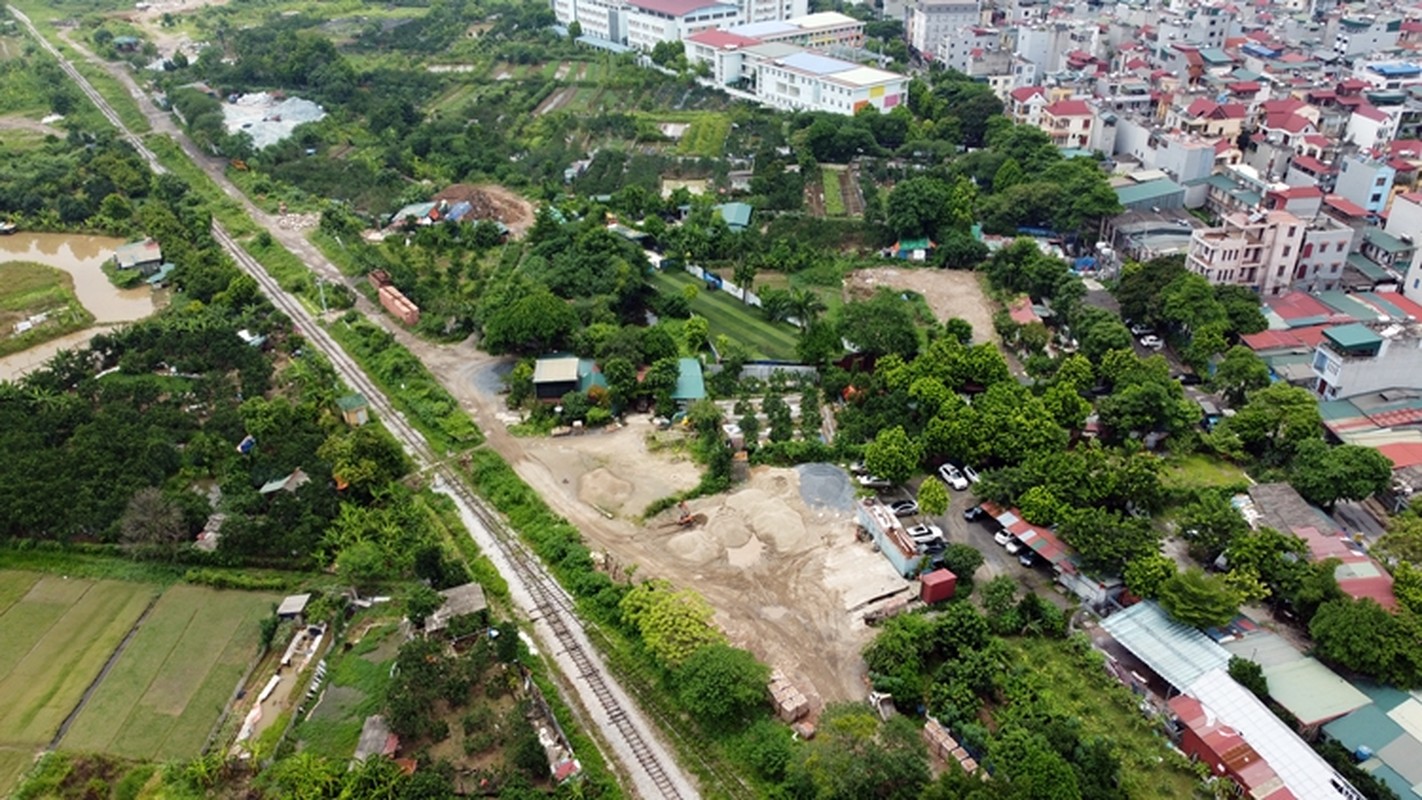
[
  {"x": 1312, "y": 165},
  {"x": 1293, "y": 123},
  {"x": 1298, "y": 192},
  {"x": 1262, "y": 341},
  {"x": 1407, "y": 148},
  {"x": 1069, "y": 108},
  {"x": 1370, "y": 112},
  {"x": 1287, "y": 105},
  {"x": 719, "y": 38},
  {"x": 1299, "y": 305},
  {"x": 1026, "y": 93},
  {"x": 1021, "y": 311},
  {"x": 1201, "y": 107},
  {"x": 1345, "y": 205},
  {"x": 672, "y": 8},
  {"x": 1231, "y": 111},
  {"x": 1402, "y": 454},
  {"x": 1244, "y": 87}
]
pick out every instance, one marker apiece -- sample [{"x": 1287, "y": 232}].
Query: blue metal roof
[{"x": 817, "y": 64}]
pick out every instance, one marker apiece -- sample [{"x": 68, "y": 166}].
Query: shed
[
  {"x": 914, "y": 249},
  {"x": 889, "y": 536},
  {"x": 458, "y": 601},
  {"x": 555, "y": 376},
  {"x": 297, "y": 479},
  {"x": 354, "y": 409},
  {"x": 145, "y": 256},
  {"x": 161, "y": 275},
  {"x": 1175, "y": 651},
  {"x": 293, "y": 606},
  {"x": 1312, "y": 692},
  {"x": 736, "y": 215},
  {"x": 690, "y": 385},
  {"x": 937, "y": 586}
]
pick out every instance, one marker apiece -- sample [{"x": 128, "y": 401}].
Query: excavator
[{"x": 686, "y": 519}]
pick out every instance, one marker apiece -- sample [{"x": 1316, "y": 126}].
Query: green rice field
[{"x": 168, "y": 687}]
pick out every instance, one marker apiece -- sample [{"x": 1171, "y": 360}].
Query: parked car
[
  {"x": 858, "y": 468},
  {"x": 974, "y": 514},
  {"x": 1151, "y": 341},
  {"x": 1014, "y": 547},
  {"x": 904, "y": 508},
  {"x": 874, "y": 482},
  {"x": 1002, "y": 537},
  {"x": 1025, "y": 559},
  {"x": 1137, "y": 329},
  {"x": 971, "y": 474},
  {"x": 1189, "y": 379},
  {"x": 925, "y": 532},
  {"x": 932, "y": 545},
  {"x": 952, "y": 477}
]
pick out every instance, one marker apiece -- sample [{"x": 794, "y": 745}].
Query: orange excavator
[{"x": 686, "y": 519}]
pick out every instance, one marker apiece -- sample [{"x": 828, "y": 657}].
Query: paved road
[{"x": 652, "y": 770}]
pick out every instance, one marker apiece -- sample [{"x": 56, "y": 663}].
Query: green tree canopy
[
  {"x": 1326, "y": 474},
  {"x": 892, "y": 455},
  {"x": 1198, "y": 599},
  {"x": 721, "y": 685}
]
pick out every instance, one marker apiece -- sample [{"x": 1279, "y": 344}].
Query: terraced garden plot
[
  {"x": 725, "y": 314},
  {"x": 168, "y": 687}
]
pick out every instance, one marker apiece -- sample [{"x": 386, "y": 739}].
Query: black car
[
  {"x": 1189, "y": 379},
  {"x": 974, "y": 514}
]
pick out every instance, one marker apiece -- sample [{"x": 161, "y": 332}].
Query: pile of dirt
[
  {"x": 491, "y": 202},
  {"x": 950, "y": 293}
]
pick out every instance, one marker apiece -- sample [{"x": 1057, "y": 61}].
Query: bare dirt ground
[
  {"x": 17, "y": 123},
  {"x": 491, "y": 201},
  {"x": 950, "y": 293},
  {"x": 555, "y": 101}
]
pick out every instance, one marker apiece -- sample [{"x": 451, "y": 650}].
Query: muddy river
[{"x": 83, "y": 258}]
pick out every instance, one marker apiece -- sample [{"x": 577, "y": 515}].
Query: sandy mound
[
  {"x": 694, "y": 546},
  {"x": 604, "y": 490}
]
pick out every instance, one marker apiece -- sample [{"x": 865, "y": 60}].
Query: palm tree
[
  {"x": 744, "y": 276},
  {"x": 806, "y": 306}
]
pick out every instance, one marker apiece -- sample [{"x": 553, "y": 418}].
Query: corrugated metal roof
[
  {"x": 1305, "y": 772},
  {"x": 1177, "y": 652},
  {"x": 1345, "y": 304},
  {"x": 1352, "y": 336},
  {"x": 1312, "y": 692},
  {"x": 1364, "y": 265},
  {"x": 1150, "y": 190},
  {"x": 556, "y": 370},
  {"x": 816, "y": 64},
  {"x": 689, "y": 383},
  {"x": 1265, "y": 648}
]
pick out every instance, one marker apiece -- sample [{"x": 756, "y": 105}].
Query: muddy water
[{"x": 83, "y": 258}]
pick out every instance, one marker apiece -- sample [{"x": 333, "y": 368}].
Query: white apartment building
[
  {"x": 1404, "y": 220},
  {"x": 1257, "y": 250},
  {"x": 604, "y": 19},
  {"x": 811, "y": 82},
  {"x": 931, "y": 20},
  {"x": 1323, "y": 256},
  {"x": 1366, "y": 34},
  {"x": 815, "y": 31},
  {"x": 1355, "y": 359},
  {"x": 766, "y": 10},
  {"x": 651, "y": 22}
]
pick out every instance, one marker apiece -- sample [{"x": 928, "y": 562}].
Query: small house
[
  {"x": 251, "y": 339},
  {"x": 354, "y": 409},
  {"x": 885, "y": 530},
  {"x": 919, "y": 249},
  {"x": 127, "y": 44},
  {"x": 161, "y": 276},
  {"x": 554, "y": 376},
  {"x": 459, "y": 601},
  {"x": 736, "y": 215},
  {"x": 690, "y": 384},
  {"x": 376, "y": 739},
  {"x": 145, "y": 256}
]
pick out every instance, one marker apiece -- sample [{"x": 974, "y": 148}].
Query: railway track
[{"x": 653, "y": 772}]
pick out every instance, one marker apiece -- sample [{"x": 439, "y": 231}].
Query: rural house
[{"x": 145, "y": 256}]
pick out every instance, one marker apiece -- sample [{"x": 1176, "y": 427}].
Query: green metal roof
[
  {"x": 1150, "y": 190},
  {"x": 1371, "y": 271},
  {"x": 1369, "y": 726},
  {"x": 1214, "y": 55},
  {"x": 351, "y": 402},
  {"x": 689, "y": 383},
  {"x": 1333, "y": 410},
  {"x": 1385, "y": 241},
  {"x": 1344, "y": 304},
  {"x": 1353, "y": 336},
  {"x": 1311, "y": 691},
  {"x": 921, "y": 243},
  {"x": 737, "y": 215}
]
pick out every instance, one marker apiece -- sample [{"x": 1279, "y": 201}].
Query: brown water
[{"x": 83, "y": 258}]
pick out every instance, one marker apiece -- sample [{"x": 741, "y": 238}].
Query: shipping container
[{"x": 937, "y": 586}]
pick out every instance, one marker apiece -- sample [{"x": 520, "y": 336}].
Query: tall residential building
[
  {"x": 1366, "y": 34},
  {"x": 931, "y": 20},
  {"x": 769, "y": 10},
  {"x": 1365, "y": 181},
  {"x": 1404, "y": 221},
  {"x": 1256, "y": 250},
  {"x": 651, "y": 22}
]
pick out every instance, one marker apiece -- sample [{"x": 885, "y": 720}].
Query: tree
[
  {"x": 855, "y": 756},
  {"x": 959, "y": 329},
  {"x": 806, "y": 306},
  {"x": 1326, "y": 474},
  {"x": 1209, "y": 524},
  {"x": 1144, "y": 576},
  {"x": 422, "y": 602},
  {"x": 694, "y": 332},
  {"x": 1274, "y": 422},
  {"x": 535, "y": 323},
  {"x": 1239, "y": 373},
  {"x": 959, "y": 250},
  {"x": 962, "y": 560},
  {"x": 1250, "y": 675},
  {"x": 933, "y": 498},
  {"x": 1198, "y": 599},
  {"x": 1403, "y": 540},
  {"x": 928, "y": 207},
  {"x": 150, "y": 519},
  {"x": 1361, "y": 636},
  {"x": 673, "y": 624},
  {"x": 892, "y": 455},
  {"x": 1066, "y": 405},
  {"x": 721, "y": 685},
  {"x": 744, "y": 276},
  {"x": 880, "y": 325},
  {"x": 362, "y": 565},
  {"x": 1106, "y": 540}
]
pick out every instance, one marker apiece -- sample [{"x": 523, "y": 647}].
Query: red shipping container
[{"x": 937, "y": 586}]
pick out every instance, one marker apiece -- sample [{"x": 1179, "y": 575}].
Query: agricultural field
[
  {"x": 168, "y": 687},
  {"x": 729, "y": 316},
  {"x": 356, "y": 688},
  {"x": 706, "y": 137},
  {"x": 27, "y": 290},
  {"x": 834, "y": 192},
  {"x": 57, "y": 635}
]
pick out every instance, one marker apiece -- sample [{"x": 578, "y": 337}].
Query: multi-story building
[
  {"x": 651, "y": 22},
  {"x": 1068, "y": 123},
  {"x": 1323, "y": 256},
  {"x": 765, "y": 10},
  {"x": 1404, "y": 220},
  {"x": 1204, "y": 117},
  {"x": 1256, "y": 250},
  {"x": 604, "y": 19},
  {"x": 1025, "y": 105},
  {"x": 1365, "y": 181},
  {"x": 1355, "y": 359},
  {"x": 1388, "y": 75},
  {"x": 815, "y": 32},
  {"x": 929, "y": 21},
  {"x": 808, "y": 81},
  {"x": 1366, "y": 34}
]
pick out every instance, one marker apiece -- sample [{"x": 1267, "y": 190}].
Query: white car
[
  {"x": 952, "y": 477},
  {"x": 1014, "y": 547},
  {"x": 904, "y": 508},
  {"x": 1138, "y": 329},
  {"x": 1152, "y": 342},
  {"x": 922, "y": 533},
  {"x": 1002, "y": 537},
  {"x": 971, "y": 474},
  {"x": 874, "y": 482}
]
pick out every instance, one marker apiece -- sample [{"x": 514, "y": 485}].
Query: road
[{"x": 644, "y": 760}]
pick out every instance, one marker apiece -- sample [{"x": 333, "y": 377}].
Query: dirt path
[
  {"x": 17, "y": 123},
  {"x": 815, "y": 197},
  {"x": 852, "y": 192}
]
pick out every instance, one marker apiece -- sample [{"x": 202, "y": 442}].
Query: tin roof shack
[
  {"x": 890, "y": 537},
  {"x": 790, "y": 703},
  {"x": 460, "y": 601},
  {"x": 293, "y": 606},
  {"x": 399, "y": 306},
  {"x": 937, "y": 586},
  {"x": 354, "y": 409},
  {"x": 555, "y": 376},
  {"x": 145, "y": 256}
]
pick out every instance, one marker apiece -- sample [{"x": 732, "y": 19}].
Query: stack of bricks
[{"x": 790, "y": 703}]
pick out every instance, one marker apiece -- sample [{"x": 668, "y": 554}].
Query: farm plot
[
  {"x": 168, "y": 687},
  {"x": 56, "y": 634},
  {"x": 725, "y": 314},
  {"x": 706, "y": 137},
  {"x": 834, "y": 192}
]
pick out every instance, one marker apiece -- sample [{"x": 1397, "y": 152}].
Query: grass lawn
[
  {"x": 730, "y": 316},
  {"x": 13, "y": 764},
  {"x": 171, "y": 683},
  {"x": 1105, "y": 708},
  {"x": 57, "y": 636},
  {"x": 706, "y": 137},
  {"x": 1200, "y": 471},
  {"x": 834, "y": 197},
  {"x": 27, "y": 289}
]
